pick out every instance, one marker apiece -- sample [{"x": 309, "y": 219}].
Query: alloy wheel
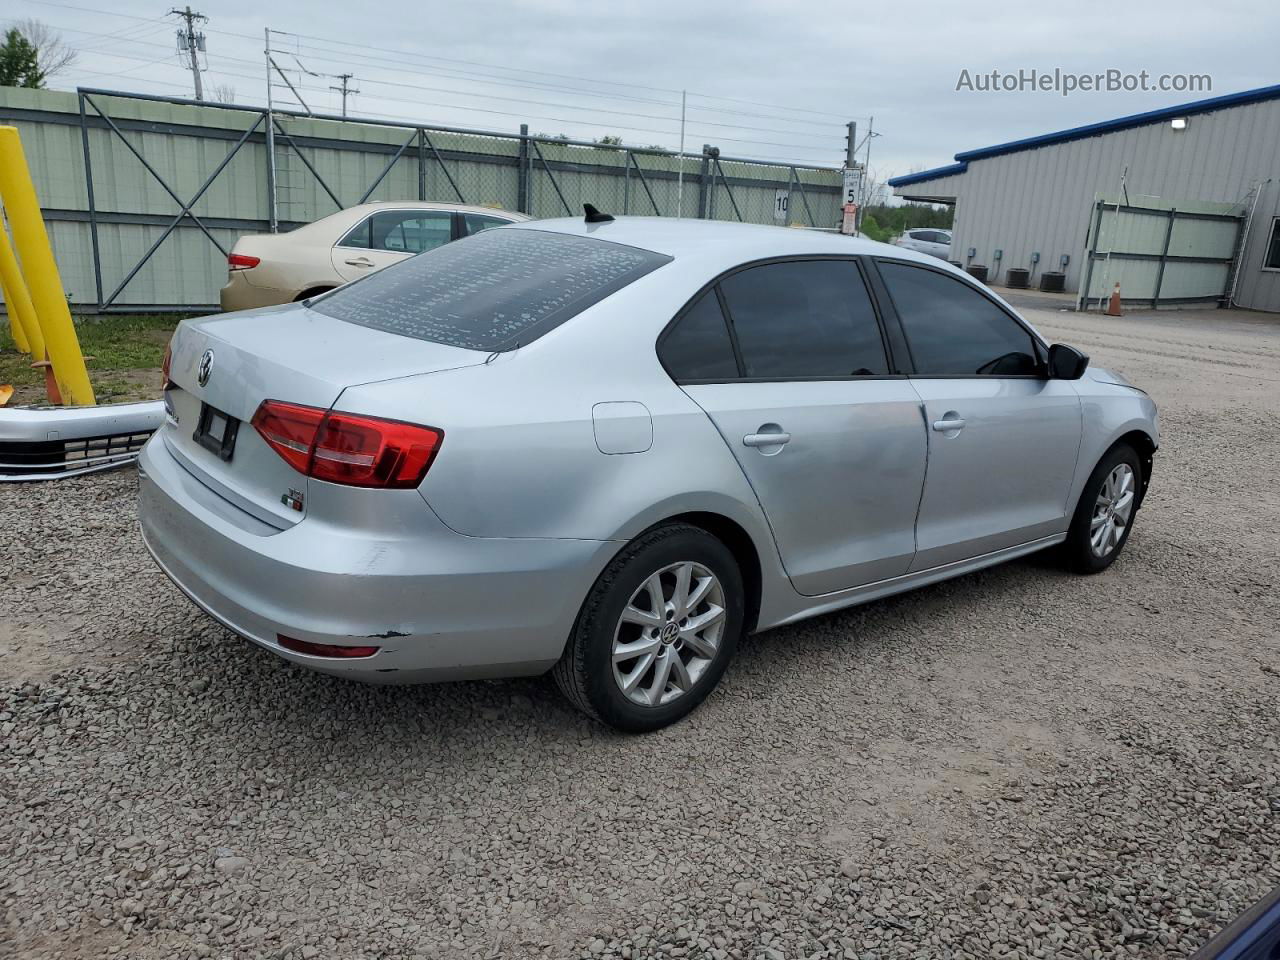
[
  {"x": 668, "y": 634},
  {"x": 1112, "y": 510}
]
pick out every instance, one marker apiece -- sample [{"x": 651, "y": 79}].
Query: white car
[
  {"x": 266, "y": 269},
  {"x": 936, "y": 243}
]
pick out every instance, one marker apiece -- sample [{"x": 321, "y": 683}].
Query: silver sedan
[{"x": 609, "y": 448}]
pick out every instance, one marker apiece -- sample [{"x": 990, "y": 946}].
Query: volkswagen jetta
[{"x": 610, "y": 448}]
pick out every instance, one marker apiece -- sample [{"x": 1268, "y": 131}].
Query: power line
[
  {"x": 700, "y": 127},
  {"x": 487, "y": 66}
]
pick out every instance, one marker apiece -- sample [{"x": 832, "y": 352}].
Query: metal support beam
[
  {"x": 185, "y": 212},
  {"x": 152, "y": 170},
  {"x": 552, "y": 177},
  {"x": 444, "y": 169},
  {"x": 702, "y": 187},
  {"x": 387, "y": 169},
  {"x": 422, "y": 164},
  {"x": 522, "y": 171},
  {"x": 804, "y": 197},
  {"x": 280, "y": 131},
  {"x": 93, "y": 207},
  {"x": 645, "y": 183},
  {"x": 729, "y": 190}
]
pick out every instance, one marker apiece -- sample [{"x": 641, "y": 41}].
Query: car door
[
  {"x": 1003, "y": 437},
  {"x": 389, "y": 236},
  {"x": 789, "y": 361}
]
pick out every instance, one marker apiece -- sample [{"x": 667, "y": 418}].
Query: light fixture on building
[{"x": 1178, "y": 123}]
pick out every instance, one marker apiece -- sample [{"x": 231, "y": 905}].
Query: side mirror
[{"x": 1066, "y": 363}]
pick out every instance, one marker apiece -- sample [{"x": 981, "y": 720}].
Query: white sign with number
[
  {"x": 852, "y": 186},
  {"x": 781, "y": 203}
]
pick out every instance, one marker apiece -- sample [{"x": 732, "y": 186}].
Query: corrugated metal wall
[
  {"x": 1043, "y": 199},
  {"x": 185, "y": 143}
]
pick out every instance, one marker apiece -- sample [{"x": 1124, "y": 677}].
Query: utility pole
[
  {"x": 345, "y": 89},
  {"x": 866, "y": 164},
  {"x": 192, "y": 43}
]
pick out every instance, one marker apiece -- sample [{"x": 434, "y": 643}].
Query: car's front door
[
  {"x": 788, "y": 360},
  {"x": 1003, "y": 437},
  {"x": 389, "y": 236}
]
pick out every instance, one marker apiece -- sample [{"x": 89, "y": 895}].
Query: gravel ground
[{"x": 1017, "y": 763}]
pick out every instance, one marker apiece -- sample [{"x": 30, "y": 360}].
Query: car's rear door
[
  {"x": 789, "y": 361},
  {"x": 1003, "y": 437},
  {"x": 389, "y": 236}
]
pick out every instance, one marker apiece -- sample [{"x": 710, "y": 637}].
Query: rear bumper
[
  {"x": 240, "y": 294},
  {"x": 440, "y": 606}
]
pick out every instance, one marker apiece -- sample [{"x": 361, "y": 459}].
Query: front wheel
[
  {"x": 657, "y": 630},
  {"x": 1106, "y": 511}
]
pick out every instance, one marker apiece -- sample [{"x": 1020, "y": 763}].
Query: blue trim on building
[
  {"x": 923, "y": 175},
  {"x": 963, "y": 159}
]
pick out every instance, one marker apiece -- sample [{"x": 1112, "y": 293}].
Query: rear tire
[
  {"x": 1106, "y": 512},
  {"x": 657, "y": 630}
]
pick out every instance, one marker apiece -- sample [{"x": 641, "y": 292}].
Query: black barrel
[
  {"x": 978, "y": 271},
  {"x": 1017, "y": 277},
  {"x": 956, "y": 263},
  {"x": 1053, "y": 282}
]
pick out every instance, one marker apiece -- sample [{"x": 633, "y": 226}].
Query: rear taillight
[
  {"x": 348, "y": 449},
  {"x": 242, "y": 261}
]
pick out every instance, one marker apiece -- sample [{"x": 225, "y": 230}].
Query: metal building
[{"x": 1178, "y": 206}]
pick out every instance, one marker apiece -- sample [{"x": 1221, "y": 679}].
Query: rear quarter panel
[{"x": 520, "y": 455}]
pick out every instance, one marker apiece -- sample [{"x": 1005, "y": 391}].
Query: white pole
[{"x": 680, "y": 173}]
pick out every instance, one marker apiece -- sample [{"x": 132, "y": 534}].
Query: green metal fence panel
[{"x": 173, "y": 183}]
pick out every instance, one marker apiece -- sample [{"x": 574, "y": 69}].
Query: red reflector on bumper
[{"x": 324, "y": 649}]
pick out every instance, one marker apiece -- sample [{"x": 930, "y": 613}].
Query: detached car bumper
[{"x": 436, "y": 604}]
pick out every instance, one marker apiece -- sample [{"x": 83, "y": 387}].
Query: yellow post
[
  {"x": 17, "y": 301},
  {"x": 41, "y": 272}
]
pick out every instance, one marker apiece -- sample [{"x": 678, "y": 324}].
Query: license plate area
[{"x": 216, "y": 431}]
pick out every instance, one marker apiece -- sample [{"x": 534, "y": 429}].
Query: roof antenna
[{"x": 594, "y": 215}]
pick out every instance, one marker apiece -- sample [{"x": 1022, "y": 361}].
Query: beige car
[{"x": 269, "y": 268}]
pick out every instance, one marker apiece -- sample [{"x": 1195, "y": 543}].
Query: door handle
[
  {"x": 949, "y": 424},
  {"x": 766, "y": 439},
  {"x": 361, "y": 262}
]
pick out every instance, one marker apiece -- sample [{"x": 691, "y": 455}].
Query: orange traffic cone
[{"x": 1113, "y": 306}]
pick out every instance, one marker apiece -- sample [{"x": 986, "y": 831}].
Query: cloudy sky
[{"x": 769, "y": 80}]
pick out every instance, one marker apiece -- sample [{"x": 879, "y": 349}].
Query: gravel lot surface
[{"x": 1016, "y": 763}]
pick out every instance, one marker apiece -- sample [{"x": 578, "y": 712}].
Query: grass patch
[{"x": 124, "y": 348}]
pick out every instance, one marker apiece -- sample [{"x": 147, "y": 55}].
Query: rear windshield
[{"x": 494, "y": 291}]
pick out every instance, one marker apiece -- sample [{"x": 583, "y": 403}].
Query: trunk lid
[{"x": 288, "y": 353}]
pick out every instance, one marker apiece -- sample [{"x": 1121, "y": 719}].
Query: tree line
[{"x": 882, "y": 222}]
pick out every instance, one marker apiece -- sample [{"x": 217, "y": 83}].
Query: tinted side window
[
  {"x": 404, "y": 231},
  {"x": 806, "y": 318},
  {"x": 698, "y": 346},
  {"x": 953, "y": 329}
]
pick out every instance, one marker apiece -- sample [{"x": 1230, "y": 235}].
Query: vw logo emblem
[
  {"x": 669, "y": 632},
  {"x": 205, "y": 368}
]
